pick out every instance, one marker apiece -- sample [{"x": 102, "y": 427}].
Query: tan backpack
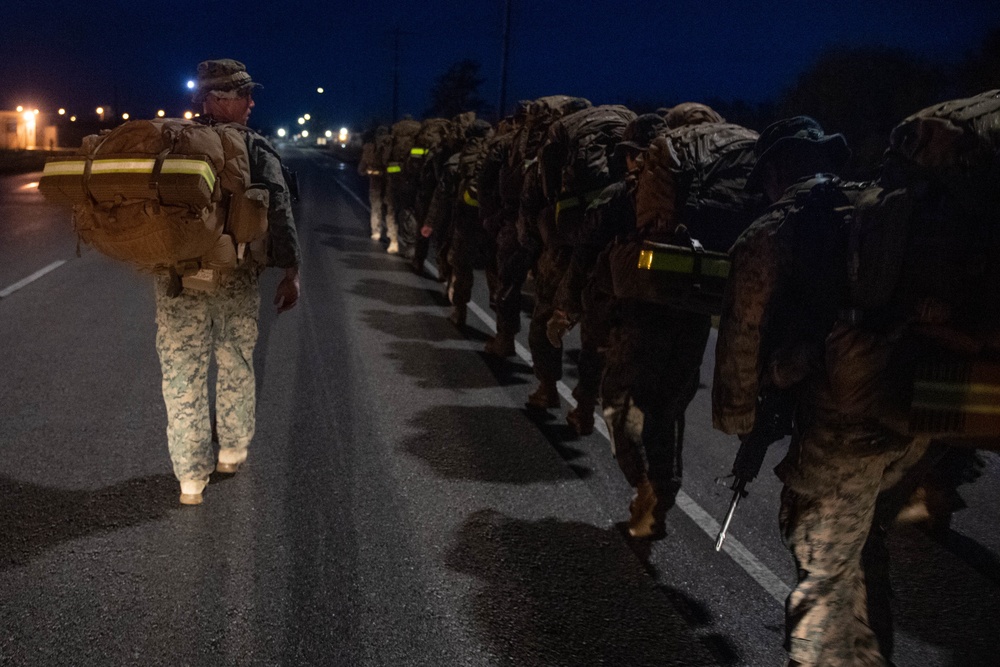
[{"x": 165, "y": 195}]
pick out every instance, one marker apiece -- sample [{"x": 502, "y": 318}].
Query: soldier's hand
[
  {"x": 557, "y": 327},
  {"x": 426, "y": 231},
  {"x": 287, "y": 294}
]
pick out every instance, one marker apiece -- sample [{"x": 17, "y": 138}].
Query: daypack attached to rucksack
[{"x": 165, "y": 195}]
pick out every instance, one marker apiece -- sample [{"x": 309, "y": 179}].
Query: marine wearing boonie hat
[
  {"x": 225, "y": 78},
  {"x": 799, "y": 133}
]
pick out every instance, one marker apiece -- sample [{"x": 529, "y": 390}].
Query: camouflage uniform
[
  {"x": 369, "y": 166},
  {"x": 195, "y": 325},
  {"x": 845, "y": 477}
]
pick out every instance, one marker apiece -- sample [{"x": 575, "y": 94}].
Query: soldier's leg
[
  {"x": 234, "y": 329},
  {"x": 460, "y": 257},
  {"x": 832, "y": 482},
  {"x": 375, "y": 199},
  {"x": 391, "y": 226},
  {"x": 183, "y": 344},
  {"x": 546, "y": 359},
  {"x": 590, "y": 366}
]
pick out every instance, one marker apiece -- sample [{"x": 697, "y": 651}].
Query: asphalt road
[{"x": 400, "y": 507}]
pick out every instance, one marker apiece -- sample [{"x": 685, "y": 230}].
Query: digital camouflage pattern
[{"x": 190, "y": 329}]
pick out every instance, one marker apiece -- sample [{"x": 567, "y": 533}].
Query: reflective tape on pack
[
  {"x": 971, "y": 398},
  {"x": 418, "y": 152},
  {"x": 469, "y": 199},
  {"x": 393, "y": 168},
  {"x": 679, "y": 262},
  {"x": 100, "y": 167}
]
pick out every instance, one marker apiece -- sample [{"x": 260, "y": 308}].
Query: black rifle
[{"x": 772, "y": 423}]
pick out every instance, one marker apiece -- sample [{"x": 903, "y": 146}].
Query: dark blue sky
[{"x": 138, "y": 55}]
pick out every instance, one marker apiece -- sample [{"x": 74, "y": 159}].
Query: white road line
[
  {"x": 760, "y": 573},
  {"x": 7, "y": 291}
]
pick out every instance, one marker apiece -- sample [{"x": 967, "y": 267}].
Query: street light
[
  {"x": 302, "y": 121},
  {"x": 100, "y": 112},
  {"x": 282, "y": 132},
  {"x": 307, "y": 116},
  {"x": 124, "y": 116},
  {"x": 188, "y": 115},
  {"x": 161, "y": 113},
  {"x": 20, "y": 108},
  {"x": 62, "y": 112},
  {"x": 319, "y": 90},
  {"x": 305, "y": 133}
]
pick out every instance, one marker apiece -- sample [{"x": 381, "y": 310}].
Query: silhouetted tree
[
  {"x": 457, "y": 90},
  {"x": 863, "y": 93}
]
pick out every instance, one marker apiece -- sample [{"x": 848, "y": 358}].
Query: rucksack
[
  {"x": 163, "y": 195},
  {"x": 925, "y": 269},
  {"x": 576, "y": 159},
  {"x": 695, "y": 176},
  {"x": 404, "y": 132}
]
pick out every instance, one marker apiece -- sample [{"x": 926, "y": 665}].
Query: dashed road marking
[{"x": 7, "y": 291}]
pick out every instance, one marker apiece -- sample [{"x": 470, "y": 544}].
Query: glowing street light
[
  {"x": 319, "y": 90},
  {"x": 282, "y": 132},
  {"x": 305, "y": 133},
  {"x": 328, "y": 134},
  {"x": 62, "y": 112},
  {"x": 20, "y": 108},
  {"x": 72, "y": 119},
  {"x": 190, "y": 84},
  {"x": 302, "y": 121},
  {"x": 161, "y": 113},
  {"x": 188, "y": 115},
  {"x": 125, "y": 116},
  {"x": 307, "y": 116}
]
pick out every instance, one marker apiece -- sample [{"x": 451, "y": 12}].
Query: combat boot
[
  {"x": 191, "y": 491},
  {"x": 376, "y": 236},
  {"x": 501, "y": 345},
  {"x": 581, "y": 418},
  {"x": 645, "y": 519},
  {"x": 393, "y": 248},
  {"x": 545, "y": 397},
  {"x": 457, "y": 315},
  {"x": 230, "y": 461}
]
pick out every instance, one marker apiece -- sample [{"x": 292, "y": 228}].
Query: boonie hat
[
  {"x": 796, "y": 133},
  {"x": 223, "y": 78}
]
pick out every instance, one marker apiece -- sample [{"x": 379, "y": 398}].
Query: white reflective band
[
  {"x": 70, "y": 168},
  {"x": 140, "y": 166}
]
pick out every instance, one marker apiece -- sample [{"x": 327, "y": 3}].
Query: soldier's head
[
  {"x": 637, "y": 136},
  {"x": 477, "y": 129},
  {"x": 692, "y": 113},
  {"x": 225, "y": 90},
  {"x": 792, "y": 149}
]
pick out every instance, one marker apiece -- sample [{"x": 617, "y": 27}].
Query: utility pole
[
  {"x": 396, "y": 33},
  {"x": 502, "y": 107}
]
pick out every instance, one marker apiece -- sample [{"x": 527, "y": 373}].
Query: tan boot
[
  {"x": 393, "y": 248},
  {"x": 643, "y": 521},
  {"x": 230, "y": 461},
  {"x": 191, "y": 491},
  {"x": 545, "y": 397},
  {"x": 581, "y": 418},
  {"x": 501, "y": 345},
  {"x": 457, "y": 315}
]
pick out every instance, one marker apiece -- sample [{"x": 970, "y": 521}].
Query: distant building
[{"x": 27, "y": 130}]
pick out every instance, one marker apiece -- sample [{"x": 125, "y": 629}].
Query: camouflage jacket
[
  {"x": 442, "y": 206},
  {"x": 787, "y": 281}
]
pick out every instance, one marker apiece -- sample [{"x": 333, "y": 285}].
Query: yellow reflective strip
[
  {"x": 716, "y": 268},
  {"x": 393, "y": 169},
  {"x": 671, "y": 262},
  {"x": 958, "y": 388},
  {"x": 645, "y": 259},
  {"x": 468, "y": 199},
  {"x": 197, "y": 167},
  {"x": 124, "y": 166},
  {"x": 978, "y": 409},
  {"x": 69, "y": 167},
  {"x": 418, "y": 151}
]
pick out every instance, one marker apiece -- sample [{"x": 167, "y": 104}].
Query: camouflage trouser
[
  {"x": 546, "y": 359},
  {"x": 508, "y": 292},
  {"x": 189, "y": 329},
  {"x": 842, "y": 491},
  {"x": 595, "y": 330},
  {"x": 392, "y": 207},
  {"x": 651, "y": 374},
  {"x": 376, "y": 197},
  {"x": 463, "y": 253}
]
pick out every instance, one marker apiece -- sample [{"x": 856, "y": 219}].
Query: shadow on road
[
  {"x": 35, "y": 518},
  {"x": 374, "y": 262},
  {"x": 412, "y": 326},
  {"x": 396, "y": 294},
  {"x": 567, "y": 593},
  {"x": 444, "y": 368},
  {"x": 487, "y": 444}
]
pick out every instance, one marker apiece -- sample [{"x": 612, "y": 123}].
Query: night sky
[{"x": 137, "y": 55}]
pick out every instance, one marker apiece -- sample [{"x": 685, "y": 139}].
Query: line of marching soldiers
[{"x": 861, "y": 319}]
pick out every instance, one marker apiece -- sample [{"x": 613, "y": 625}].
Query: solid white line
[
  {"x": 742, "y": 556},
  {"x": 7, "y": 291}
]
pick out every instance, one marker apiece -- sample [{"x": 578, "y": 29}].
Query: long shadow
[
  {"x": 560, "y": 593},
  {"x": 396, "y": 294},
  {"x": 343, "y": 232},
  {"x": 36, "y": 519},
  {"x": 507, "y": 372},
  {"x": 486, "y": 444},
  {"x": 378, "y": 261},
  {"x": 942, "y": 604},
  {"x": 412, "y": 326},
  {"x": 558, "y": 433},
  {"x": 442, "y": 368}
]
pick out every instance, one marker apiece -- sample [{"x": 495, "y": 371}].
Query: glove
[{"x": 557, "y": 327}]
